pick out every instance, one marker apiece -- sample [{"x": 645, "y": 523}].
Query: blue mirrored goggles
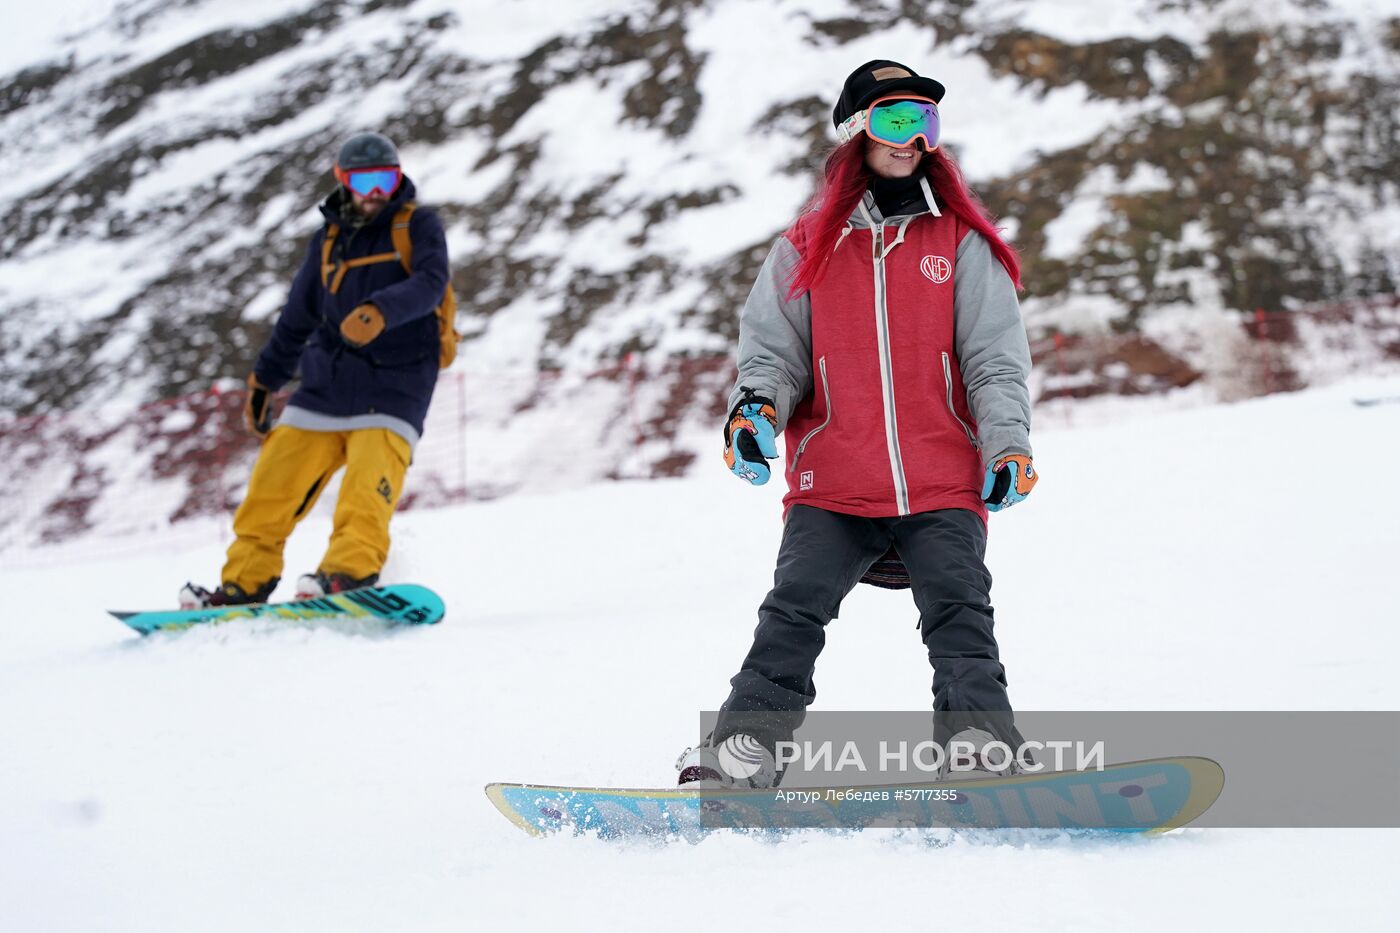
[{"x": 366, "y": 182}]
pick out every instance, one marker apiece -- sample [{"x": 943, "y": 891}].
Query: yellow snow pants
[{"x": 292, "y": 469}]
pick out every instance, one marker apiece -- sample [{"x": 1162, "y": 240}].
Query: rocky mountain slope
[{"x": 612, "y": 173}]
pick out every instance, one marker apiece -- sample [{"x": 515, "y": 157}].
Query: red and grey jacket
[{"x": 901, "y": 375}]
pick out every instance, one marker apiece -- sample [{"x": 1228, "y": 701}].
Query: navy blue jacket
[{"x": 395, "y": 373}]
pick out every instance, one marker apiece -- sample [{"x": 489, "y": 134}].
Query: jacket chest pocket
[
  {"x": 948, "y": 398},
  {"x": 811, "y": 435}
]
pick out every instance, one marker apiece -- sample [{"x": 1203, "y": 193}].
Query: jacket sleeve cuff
[
  {"x": 267, "y": 380},
  {"x": 998, "y": 444}
]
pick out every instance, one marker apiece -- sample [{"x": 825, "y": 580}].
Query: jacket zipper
[
  {"x": 826, "y": 394},
  {"x": 948, "y": 379},
  {"x": 882, "y": 332}
]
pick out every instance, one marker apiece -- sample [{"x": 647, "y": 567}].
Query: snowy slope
[{"x": 285, "y": 779}]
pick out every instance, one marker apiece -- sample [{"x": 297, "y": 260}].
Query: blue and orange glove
[
  {"x": 1009, "y": 480},
  {"x": 751, "y": 438}
]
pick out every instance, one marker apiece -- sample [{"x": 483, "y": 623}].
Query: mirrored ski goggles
[
  {"x": 895, "y": 121},
  {"x": 368, "y": 181}
]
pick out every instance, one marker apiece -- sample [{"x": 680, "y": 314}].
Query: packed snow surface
[{"x": 281, "y": 778}]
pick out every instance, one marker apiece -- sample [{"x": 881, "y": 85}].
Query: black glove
[{"x": 257, "y": 409}]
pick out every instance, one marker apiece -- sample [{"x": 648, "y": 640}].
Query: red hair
[{"x": 844, "y": 182}]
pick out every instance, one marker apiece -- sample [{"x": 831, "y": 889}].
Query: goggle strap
[{"x": 851, "y": 126}]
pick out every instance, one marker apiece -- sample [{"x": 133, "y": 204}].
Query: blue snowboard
[
  {"x": 1141, "y": 796},
  {"x": 395, "y": 604}
]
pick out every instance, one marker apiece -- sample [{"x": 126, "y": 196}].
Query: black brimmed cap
[{"x": 877, "y": 79}]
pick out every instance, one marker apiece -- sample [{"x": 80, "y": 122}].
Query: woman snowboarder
[{"x": 884, "y": 336}]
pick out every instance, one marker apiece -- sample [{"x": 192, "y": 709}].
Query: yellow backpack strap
[
  {"x": 333, "y": 273},
  {"x": 349, "y": 264},
  {"x": 326, "y": 246},
  {"x": 446, "y": 311},
  {"x": 398, "y": 233}
]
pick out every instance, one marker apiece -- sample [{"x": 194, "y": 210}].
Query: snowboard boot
[
  {"x": 194, "y": 596},
  {"x": 318, "y": 584},
  {"x": 738, "y": 761},
  {"x": 974, "y": 761}
]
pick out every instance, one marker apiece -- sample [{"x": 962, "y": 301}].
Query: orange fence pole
[{"x": 1261, "y": 333}]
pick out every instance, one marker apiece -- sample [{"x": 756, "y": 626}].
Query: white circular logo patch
[
  {"x": 936, "y": 269},
  {"x": 740, "y": 756}
]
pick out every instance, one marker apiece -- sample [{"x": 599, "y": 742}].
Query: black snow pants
[{"x": 822, "y": 557}]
